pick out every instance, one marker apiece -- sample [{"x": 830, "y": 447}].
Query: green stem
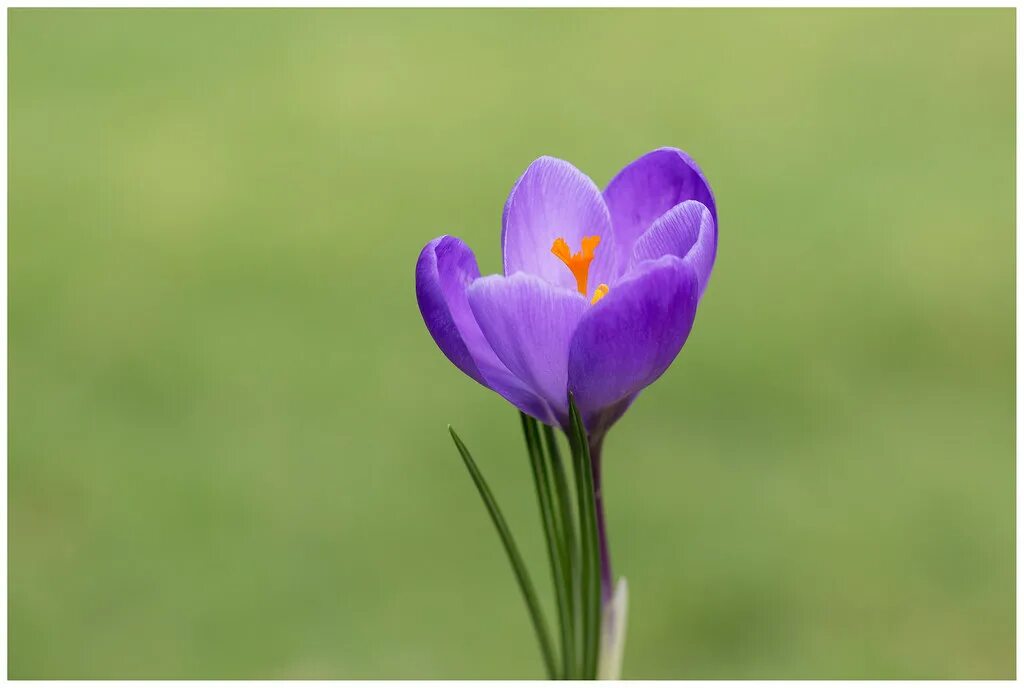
[
  {"x": 518, "y": 566},
  {"x": 555, "y": 544},
  {"x": 570, "y": 563},
  {"x": 590, "y": 576}
]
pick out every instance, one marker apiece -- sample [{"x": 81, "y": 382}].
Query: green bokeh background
[{"x": 228, "y": 454}]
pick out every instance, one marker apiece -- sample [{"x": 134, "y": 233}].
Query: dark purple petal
[
  {"x": 445, "y": 269},
  {"x": 649, "y": 187},
  {"x": 529, "y": 324},
  {"x": 598, "y": 423},
  {"x": 553, "y": 199},
  {"x": 686, "y": 231},
  {"x": 628, "y": 339}
]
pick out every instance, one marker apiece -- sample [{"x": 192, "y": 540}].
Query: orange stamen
[
  {"x": 599, "y": 293},
  {"x": 578, "y": 263}
]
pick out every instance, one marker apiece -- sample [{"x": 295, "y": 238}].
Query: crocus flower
[{"x": 599, "y": 290}]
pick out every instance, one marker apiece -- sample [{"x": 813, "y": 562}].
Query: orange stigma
[{"x": 578, "y": 263}]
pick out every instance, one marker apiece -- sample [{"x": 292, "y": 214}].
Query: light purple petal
[
  {"x": 518, "y": 394},
  {"x": 686, "y": 231},
  {"x": 529, "y": 324},
  {"x": 445, "y": 269},
  {"x": 553, "y": 199},
  {"x": 649, "y": 187},
  {"x": 628, "y": 339}
]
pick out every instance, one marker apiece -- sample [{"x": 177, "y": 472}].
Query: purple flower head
[{"x": 599, "y": 292}]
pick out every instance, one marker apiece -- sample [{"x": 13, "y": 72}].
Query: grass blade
[
  {"x": 590, "y": 564},
  {"x": 518, "y": 566},
  {"x": 569, "y": 550},
  {"x": 552, "y": 533}
]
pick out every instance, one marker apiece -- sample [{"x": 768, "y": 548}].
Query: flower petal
[
  {"x": 529, "y": 324},
  {"x": 629, "y": 338},
  {"x": 445, "y": 269},
  {"x": 687, "y": 231},
  {"x": 553, "y": 199},
  {"x": 649, "y": 187}
]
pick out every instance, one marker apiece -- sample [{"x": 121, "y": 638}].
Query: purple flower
[{"x": 599, "y": 291}]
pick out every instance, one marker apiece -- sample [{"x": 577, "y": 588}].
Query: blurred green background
[{"x": 228, "y": 454}]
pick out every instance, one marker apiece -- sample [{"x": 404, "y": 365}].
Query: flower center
[{"x": 579, "y": 263}]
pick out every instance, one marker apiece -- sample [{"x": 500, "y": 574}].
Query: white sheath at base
[{"x": 613, "y": 634}]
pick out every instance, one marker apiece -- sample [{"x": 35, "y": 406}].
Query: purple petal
[
  {"x": 529, "y": 324},
  {"x": 629, "y": 338},
  {"x": 445, "y": 269},
  {"x": 687, "y": 231},
  {"x": 649, "y": 187},
  {"x": 553, "y": 199}
]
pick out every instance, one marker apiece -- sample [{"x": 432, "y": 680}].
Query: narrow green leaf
[
  {"x": 569, "y": 549},
  {"x": 550, "y": 519},
  {"x": 579, "y": 608},
  {"x": 518, "y": 566},
  {"x": 590, "y": 565}
]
